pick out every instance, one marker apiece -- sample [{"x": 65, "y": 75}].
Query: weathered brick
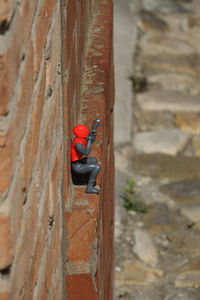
[
  {"x": 6, "y": 10},
  {"x": 32, "y": 138},
  {"x": 12, "y": 137},
  {"x": 5, "y": 164},
  {"x": 86, "y": 287},
  {"x": 20, "y": 26},
  {"x": 5, "y": 242},
  {"x": 81, "y": 234},
  {"x": 41, "y": 27},
  {"x": 26, "y": 245}
]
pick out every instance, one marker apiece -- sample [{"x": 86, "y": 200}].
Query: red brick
[
  {"x": 5, "y": 164},
  {"x": 5, "y": 242},
  {"x": 81, "y": 287},
  {"x": 71, "y": 11},
  {"x": 81, "y": 227},
  {"x": 4, "y": 295}
]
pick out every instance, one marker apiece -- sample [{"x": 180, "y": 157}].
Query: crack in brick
[{"x": 81, "y": 226}]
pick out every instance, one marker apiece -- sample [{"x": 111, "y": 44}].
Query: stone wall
[
  {"x": 166, "y": 79},
  {"x": 56, "y": 70}
]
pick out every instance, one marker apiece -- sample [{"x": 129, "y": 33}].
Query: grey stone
[
  {"x": 188, "y": 279},
  {"x": 144, "y": 247},
  {"x": 135, "y": 273},
  {"x": 147, "y": 120},
  {"x": 177, "y": 82},
  {"x": 157, "y": 44},
  {"x": 162, "y": 214},
  {"x": 169, "y": 63},
  {"x": 167, "y": 166},
  {"x": 171, "y": 101},
  {"x": 186, "y": 191},
  {"x": 192, "y": 213},
  {"x": 182, "y": 295},
  {"x": 150, "y": 21},
  {"x": 168, "y": 141},
  {"x": 166, "y": 7}
]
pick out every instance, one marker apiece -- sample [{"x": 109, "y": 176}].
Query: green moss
[{"x": 130, "y": 202}]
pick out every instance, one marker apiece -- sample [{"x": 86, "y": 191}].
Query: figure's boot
[
  {"x": 92, "y": 190},
  {"x": 92, "y": 181}
]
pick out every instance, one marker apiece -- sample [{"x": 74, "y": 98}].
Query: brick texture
[{"x": 56, "y": 70}]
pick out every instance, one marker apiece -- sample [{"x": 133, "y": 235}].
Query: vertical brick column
[
  {"x": 56, "y": 70},
  {"x": 89, "y": 218}
]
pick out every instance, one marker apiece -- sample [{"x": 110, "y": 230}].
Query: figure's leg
[
  {"x": 93, "y": 169},
  {"x": 92, "y": 180},
  {"x": 89, "y": 160}
]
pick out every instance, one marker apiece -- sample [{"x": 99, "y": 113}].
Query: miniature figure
[{"x": 80, "y": 149}]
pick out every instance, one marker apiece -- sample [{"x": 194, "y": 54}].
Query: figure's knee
[
  {"x": 92, "y": 160},
  {"x": 98, "y": 167}
]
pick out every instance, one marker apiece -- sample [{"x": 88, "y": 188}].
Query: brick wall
[{"x": 56, "y": 70}]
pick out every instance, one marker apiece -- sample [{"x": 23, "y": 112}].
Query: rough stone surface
[
  {"x": 144, "y": 247},
  {"x": 181, "y": 295},
  {"x": 188, "y": 279},
  {"x": 137, "y": 273},
  {"x": 177, "y": 82},
  {"x": 146, "y": 120},
  {"x": 156, "y": 44},
  {"x": 166, "y": 7},
  {"x": 150, "y": 21},
  {"x": 196, "y": 144},
  {"x": 158, "y": 101},
  {"x": 160, "y": 165},
  {"x": 169, "y": 141},
  {"x": 186, "y": 191},
  {"x": 167, "y": 57},
  {"x": 169, "y": 63},
  {"x": 192, "y": 213},
  {"x": 189, "y": 122}
]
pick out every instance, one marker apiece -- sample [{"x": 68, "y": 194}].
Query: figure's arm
[{"x": 84, "y": 150}]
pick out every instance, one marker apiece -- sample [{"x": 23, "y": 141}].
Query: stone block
[
  {"x": 184, "y": 64},
  {"x": 178, "y": 167},
  {"x": 189, "y": 122},
  {"x": 196, "y": 144},
  {"x": 150, "y": 120},
  {"x": 148, "y": 21},
  {"x": 182, "y": 83},
  {"x": 170, "y": 101},
  {"x": 158, "y": 45},
  {"x": 168, "y": 141}
]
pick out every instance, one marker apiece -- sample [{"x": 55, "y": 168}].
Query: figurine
[{"x": 80, "y": 149}]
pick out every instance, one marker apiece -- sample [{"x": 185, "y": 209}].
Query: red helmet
[{"x": 80, "y": 131}]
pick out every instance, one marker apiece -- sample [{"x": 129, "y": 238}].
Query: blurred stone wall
[{"x": 166, "y": 79}]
